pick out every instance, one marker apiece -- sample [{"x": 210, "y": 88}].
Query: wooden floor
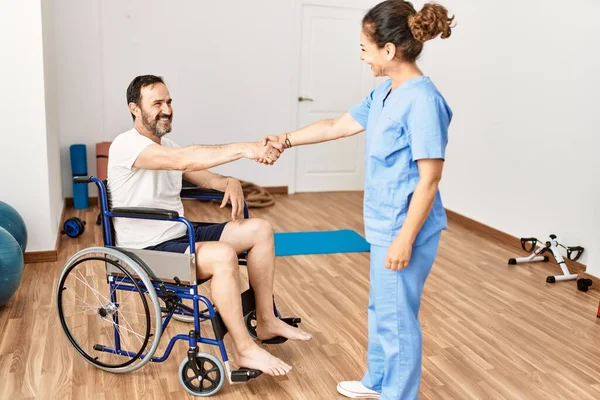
[{"x": 491, "y": 331}]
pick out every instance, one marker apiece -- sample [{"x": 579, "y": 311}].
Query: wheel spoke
[
  {"x": 140, "y": 337},
  {"x": 91, "y": 307},
  {"x": 96, "y": 293},
  {"x": 122, "y": 327}
]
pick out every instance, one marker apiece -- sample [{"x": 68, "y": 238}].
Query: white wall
[
  {"x": 227, "y": 65},
  {"x": 27, "y": 160},
  {"x": 52, "y": 123},
  {"x": 80, "y": 82},
  {"x": 522, "y": 79}
]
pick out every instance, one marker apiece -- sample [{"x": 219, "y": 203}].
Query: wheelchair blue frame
[
  {"x": 163, "y": 290},
  {"x": 172, "y": 292}
]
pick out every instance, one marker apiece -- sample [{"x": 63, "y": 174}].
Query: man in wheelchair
[{"x": 145, "y": 169}]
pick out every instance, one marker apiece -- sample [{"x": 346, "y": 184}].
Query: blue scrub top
[{"x": 403, "y": 126}]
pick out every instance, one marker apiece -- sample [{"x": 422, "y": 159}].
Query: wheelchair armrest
[
  {"x": 145, "y": 212},
  {"x": 197, "y": 192},
  {"x": 190, "y": 190}
]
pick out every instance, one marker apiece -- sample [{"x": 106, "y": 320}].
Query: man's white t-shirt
[{"x": 133, "y": 187}]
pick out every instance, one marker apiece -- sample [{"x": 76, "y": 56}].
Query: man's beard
[{"x": 152, "y": 124}]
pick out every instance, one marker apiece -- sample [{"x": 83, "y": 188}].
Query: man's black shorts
[{"x": 203, "y": 233}]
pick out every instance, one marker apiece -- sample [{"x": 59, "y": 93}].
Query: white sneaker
[{"x": 356, "y": 390}]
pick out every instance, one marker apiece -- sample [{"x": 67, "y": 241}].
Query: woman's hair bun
[{"x": 430, "y": 22}]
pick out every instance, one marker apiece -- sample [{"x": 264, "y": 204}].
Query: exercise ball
[
  {"x": 11, "y": 220},
  {"x": 11, "y": 266}
]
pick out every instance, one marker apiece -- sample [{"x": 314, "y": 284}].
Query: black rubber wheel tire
[{"x": 215, "y": 367}]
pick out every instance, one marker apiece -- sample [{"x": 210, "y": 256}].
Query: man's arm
[
  {"x": 231, "y": 188},
  {"x": 197, "y": 158},
  {"x": 206, "y": 180}
]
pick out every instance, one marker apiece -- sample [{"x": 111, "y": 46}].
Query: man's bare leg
[
  {"x": 219, "y": 261},
  {"x": 256, "y": 236}
]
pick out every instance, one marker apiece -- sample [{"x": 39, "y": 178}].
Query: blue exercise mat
[{"x": 319, "y": 242}]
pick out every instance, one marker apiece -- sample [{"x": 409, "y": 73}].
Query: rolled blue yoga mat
[
  {"x": 79, "y": 168},
  {"x": 78, "y": 159},
  {"x": 319, "y": 242},
  {"x": 80, "y": 196}
]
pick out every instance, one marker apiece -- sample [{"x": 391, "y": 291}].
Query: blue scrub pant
[{"x": 395, "y": 342}]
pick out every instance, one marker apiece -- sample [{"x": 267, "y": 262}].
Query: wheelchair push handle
[
  {"x": 82, "y": 179},
  {"x": 87, "y": 179}
]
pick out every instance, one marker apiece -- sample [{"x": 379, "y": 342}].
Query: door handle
[{"x": 304, "y": 99}]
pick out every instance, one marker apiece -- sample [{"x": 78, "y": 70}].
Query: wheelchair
[{"x": 114, "y": 304}]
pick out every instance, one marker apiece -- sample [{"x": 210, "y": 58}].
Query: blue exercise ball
[
  {"x": 11, "y": 220},
  {"x": 11, "y": 266}
]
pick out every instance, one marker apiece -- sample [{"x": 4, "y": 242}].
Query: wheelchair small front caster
[
  {"x": 250, "y": 322},
  {"x": 203, "y": 379},
  {"x": 73, "y": 227},
  {"x": 583, "y": 284}
]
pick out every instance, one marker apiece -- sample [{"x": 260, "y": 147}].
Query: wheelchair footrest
[
  {"x": 244, "y": 374},
  {"x": 275, "y": 340},
  {"x": 293, "y": 321}
]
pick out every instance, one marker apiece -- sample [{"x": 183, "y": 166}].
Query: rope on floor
[{"x": 256, "y": 196}]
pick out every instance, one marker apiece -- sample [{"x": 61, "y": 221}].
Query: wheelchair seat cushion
[{"x": 203, "y": 233}]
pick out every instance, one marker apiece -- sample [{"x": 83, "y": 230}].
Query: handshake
[{"x": 267, "y": 150}]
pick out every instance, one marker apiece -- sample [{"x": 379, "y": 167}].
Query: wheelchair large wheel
[
  {"x": 108, "y": 309},
  {"x": 209, "y": 378}
]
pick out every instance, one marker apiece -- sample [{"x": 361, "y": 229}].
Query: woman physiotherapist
[{"x": 406, "y": 121}]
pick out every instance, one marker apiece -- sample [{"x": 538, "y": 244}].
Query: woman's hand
[
  {"x": 235, "y": 194},
  {"x": 399, "y": 253},
  {"x": 274, "y": 141},
  {"x": 267, "y": 151},
  {"x": 270, "y": 138}
]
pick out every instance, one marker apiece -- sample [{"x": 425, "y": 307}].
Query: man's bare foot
[
  {"x": 273, "y": 327},
  {"x": 256, "y": 358}
]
